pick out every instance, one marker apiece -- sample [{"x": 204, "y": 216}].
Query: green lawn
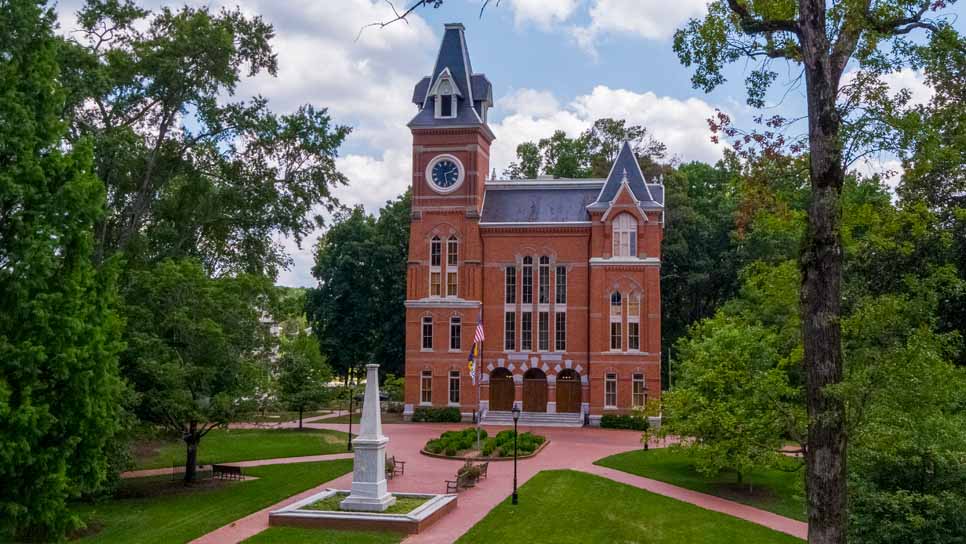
[
  {"x": 387, "y": 417},
  {"x": 564, "y": 506},
  {"x": 403, "y": 505},
  {"x": 180, "y": 515},
  {"x": 225, "y": 446},
  {"x": 279, "y": 417},
  {"x": 774, "y": 490},
  {"x": 292, "y": 535}
]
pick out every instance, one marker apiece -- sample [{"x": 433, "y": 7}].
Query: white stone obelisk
[{"x": 369, "y": 490}]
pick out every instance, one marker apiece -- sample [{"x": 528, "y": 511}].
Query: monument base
[
  {"x": 356, "y": 503},
  {"x": 300, "y": 514}
]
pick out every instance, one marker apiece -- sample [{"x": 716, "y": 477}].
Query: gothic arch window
[
  {"x": 435, "y": 265},
  {"x": 527, "y": 292},
  {"x": 616, "y": 316},
  {"x": 625, "y": 236},
  {"x": 452, "y": 272},
  {"x": 634, "y": 322},
  {"x": 446, "y": 95}
]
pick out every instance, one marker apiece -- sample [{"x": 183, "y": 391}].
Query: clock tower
[{"x": 451, "y": 146}]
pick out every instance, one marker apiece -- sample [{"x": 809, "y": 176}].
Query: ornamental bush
[
  {"x": 427, "y": 414},
  {"x": 451, "y": 443},
  {"x": 623, "y": 421}
]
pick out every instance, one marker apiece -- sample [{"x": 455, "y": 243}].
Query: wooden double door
[
  {"x": 534, "y": 391},
  {"x": 568, "y": 392},
  {"x": 501, "y": 390}
]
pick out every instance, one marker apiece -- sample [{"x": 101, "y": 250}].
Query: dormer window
[{"x": 445, "y": 95}]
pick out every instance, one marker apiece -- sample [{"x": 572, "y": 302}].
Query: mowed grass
[
  {"x": 387, "y": 417},
  {"x": 230, "y": 445},
  {"x": 281, "y": 417},
  {"x": 565, "y": 506},
  {"x": 778, "y": 491},
  {"x": 192, "y": 512},
  {"x": 292, "y": 535}
]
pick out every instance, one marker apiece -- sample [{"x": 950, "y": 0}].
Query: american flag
[{"x": 479, "y": 332}]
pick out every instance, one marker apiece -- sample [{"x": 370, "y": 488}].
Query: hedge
[
  {"x": 451, "y": 443},
  {"x": 425, "y": 414},
  {"x": 634, "y": 423}
]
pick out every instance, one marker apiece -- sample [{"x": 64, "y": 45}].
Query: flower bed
[
  {"x": 403, "y": 504},
  {"x": 458, "y": 444}
]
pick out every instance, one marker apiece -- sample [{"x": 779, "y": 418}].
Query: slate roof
[
  {"x": 474, "y": 89},
  {"x": 532, "y": 203},
  {"x": 625, "y": 166}
]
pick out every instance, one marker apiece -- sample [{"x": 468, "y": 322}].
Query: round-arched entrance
[
  {"x": 501, "y": 390},
  {"x": 534, "y": 391},
  {"x": 568, "y": 391}
]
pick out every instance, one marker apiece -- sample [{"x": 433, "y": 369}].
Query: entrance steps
[{"x": 534, "y": 419}]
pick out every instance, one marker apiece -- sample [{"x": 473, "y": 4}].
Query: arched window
[
  {"x": 634, "y": 322},
  {"x": 543, "y": 288},
  {"x": 527, "y": 280},
  {"x": 435, "y": 260},
  {"x": 616, "y": 338},
  {"x": 452, "y": 258},
  {"x": 625, "y": 236}
]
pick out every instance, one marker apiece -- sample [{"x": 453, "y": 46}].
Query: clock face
[{"x": 445, "y": 173}]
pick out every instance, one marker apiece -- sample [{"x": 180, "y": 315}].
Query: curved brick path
[{"x": 569, "y": 448}]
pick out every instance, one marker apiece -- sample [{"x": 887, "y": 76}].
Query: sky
[{"x": 554, "y": 64}]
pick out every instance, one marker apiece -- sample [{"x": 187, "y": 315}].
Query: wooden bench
[
  {"x": 226, "y": 472},
  {"x": 454, "y": 486},
  {"x": 398, "y": 467}
]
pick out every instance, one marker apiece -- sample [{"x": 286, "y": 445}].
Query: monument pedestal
[{"x": 370, "y": 493}]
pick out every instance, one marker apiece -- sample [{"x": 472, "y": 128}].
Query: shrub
[
  {"x": 623, "y": 421},
  {"x": 449, "y": 414},
  {"x": 451, "y": 451}
]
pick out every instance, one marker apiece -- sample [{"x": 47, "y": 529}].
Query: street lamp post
[{"x": 516, "y": 417}]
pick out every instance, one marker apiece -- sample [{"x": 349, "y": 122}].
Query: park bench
[
  {"x": 226, "y": 472},
  {"x": 483, "y": 467},
  {"x": 398, "y": 467},
  {"x": 461, "y": 481}
]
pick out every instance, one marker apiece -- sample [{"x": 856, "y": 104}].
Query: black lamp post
[{"x": 516, "y": 416}]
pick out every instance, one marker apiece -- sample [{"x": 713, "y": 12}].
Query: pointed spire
[{"x": 630, "y": 173}]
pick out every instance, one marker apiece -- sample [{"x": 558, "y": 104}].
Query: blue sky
[{"x": 554, "y": 64}]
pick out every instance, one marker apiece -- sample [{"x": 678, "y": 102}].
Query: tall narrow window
[
  {"x": 560, "y": 332},
  {"x": 544, "y": 286},
  {"x": 610, "y": 391},
  {"x": 615, "y": 322},
  {"x": 510, "y": 331},
  {"x": 528, "y": 280},
  {"x": 638, "y": 391},
  {"x": 510, "y": 285},
  {"x": 543, "y": 331},
  {"x": 452, "y": 274},
  {"x": 561, "y": 297},
  {"x": 446, "y": 106},
  {"x": 427, "y": 332},
  {"x": 625, "y": 236},
  {"x": 454, "y": 386},
  {"x": 455, "y": 333},
  {"x": 634, "y": 322},
  {"x": 435, "y": 260},
  {"x": 426, "y": 387},
  {"x": 526, "y": 331}
]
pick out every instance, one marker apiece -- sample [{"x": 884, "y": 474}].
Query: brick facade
[{"x": 480, "y": 216}]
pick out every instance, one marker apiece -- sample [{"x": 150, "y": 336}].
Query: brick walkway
[{"x": 569, "y": 448}]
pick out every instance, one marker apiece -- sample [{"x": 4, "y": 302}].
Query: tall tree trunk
[
  {"x": 191, "y": 458},
  {"x": 300, "y": 418},
  {"x": 820, "y": 293}
]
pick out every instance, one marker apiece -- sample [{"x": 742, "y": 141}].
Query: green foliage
[
  {"x": 189, "y": 171},
  {"x": 394, "y": 387},
  {"x": 357, "y": 311},
  {"x": 444, "y": 414},
  {"x": 59, "y": 333},
  {"x": 302, "y": 374},
  {"x": 190, "y": 344},
  {"x": 624, "y": 421},
  {"x": 452, "y": 443}
]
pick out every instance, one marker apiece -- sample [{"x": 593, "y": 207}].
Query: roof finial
[{"x": 624, "y": 177}]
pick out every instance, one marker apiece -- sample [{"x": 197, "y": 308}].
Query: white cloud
[
  {"x": 681, "y": 124},
  {"x": 648, "y": 19},
  {"x": 889, "y": 169},
  {"x": 906, "y": 78},
  {"x": 542, "y": 12}
]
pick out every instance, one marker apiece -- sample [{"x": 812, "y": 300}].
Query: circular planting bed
[{"x": 463, "y": 445}]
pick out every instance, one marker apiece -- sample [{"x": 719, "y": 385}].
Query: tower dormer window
[{"x": 445, "y": 95}]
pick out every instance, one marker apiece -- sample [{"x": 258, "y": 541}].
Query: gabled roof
[
  {"x": 626, "y": 170},
  {"x": 474, "y": 90}
]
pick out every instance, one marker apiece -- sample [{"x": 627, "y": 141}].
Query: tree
[
  {"x": 528, "y": 165},
  {"x": 822, "y": 40},
  {"x": 392, "y": 256},
  {"x": 191, "y": 344},
  {"x": 188, "y": 171},
  {"x": 302, "y": 374},
  {"x": 59, "y": 332}
]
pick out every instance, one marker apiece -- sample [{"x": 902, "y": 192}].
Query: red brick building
[{"x": 565, "y": 274}]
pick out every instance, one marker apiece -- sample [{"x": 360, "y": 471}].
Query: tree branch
[{"x": 751, "y": 25}]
